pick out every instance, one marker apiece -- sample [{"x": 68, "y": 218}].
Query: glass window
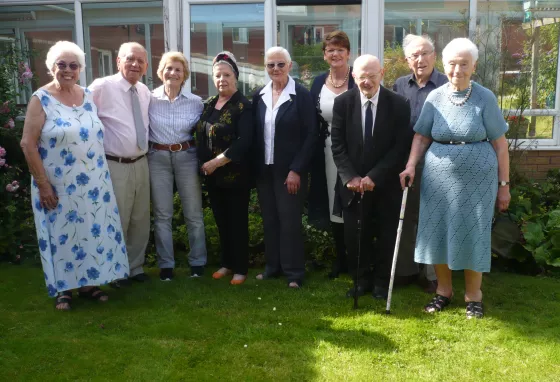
[
  {"x": 33, "y": 30},
  {"x": 108, "y": 25},
  {"x": 442, "y": 20},
  {"x": 518, "y": 45},
  {"x": 238, "y": 28},
  {"x": 302, "y": 29}
]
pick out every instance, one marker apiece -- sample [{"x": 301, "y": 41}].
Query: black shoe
[
  {"x": 166, "y": 274},
  {"x": 197, "y": 271},
  {"x": 117, "y": 284},
  {"x": 380, "y": 293},
  {"x": 141, "y": 277},
  {"x": 362, "y": 290}
]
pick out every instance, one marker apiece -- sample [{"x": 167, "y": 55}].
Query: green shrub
[
  {"x": 536, "y": 208},
  {"x": 17, "y": 230}
]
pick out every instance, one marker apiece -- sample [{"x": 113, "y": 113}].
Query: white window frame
[
  {"x": 372, "y": 38},
  {"x": 243, "y": 35}
]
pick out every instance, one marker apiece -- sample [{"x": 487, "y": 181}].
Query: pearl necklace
[
  {"x": 342, "y": 83},
  {"x": 464, "y": 100}
]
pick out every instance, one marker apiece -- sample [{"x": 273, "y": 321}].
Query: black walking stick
[
  {"x": 397, "y": 244},
  {"x": 360, "y": 218}
]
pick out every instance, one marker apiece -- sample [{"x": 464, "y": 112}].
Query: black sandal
[
  {"x": 437, "y": 304},
  {"x": 64, "y": 298},
  {"x": 475, "y": 309},
  {"x": 94, "y": 293}
]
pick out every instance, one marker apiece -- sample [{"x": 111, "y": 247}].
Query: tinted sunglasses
[
  {"x": 278, "y": 64},
  {"x": 62, "y": 65}
]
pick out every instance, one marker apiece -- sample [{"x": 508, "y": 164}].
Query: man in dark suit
[{"x": 370, "y": 143}]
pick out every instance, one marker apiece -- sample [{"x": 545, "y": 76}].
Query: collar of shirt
[
  {"x": 373, "y": 99},
  {"x": 122, "y": 82},
  {"x": 266, "y": 93},
  {"x": 159, "y": 93},
  {"x": 290, "y": 87}
]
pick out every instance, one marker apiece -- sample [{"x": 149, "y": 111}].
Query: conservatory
[{"x": 518, "y": 42}]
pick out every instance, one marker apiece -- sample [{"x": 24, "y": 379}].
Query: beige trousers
[{"x": 131, "y": 183}]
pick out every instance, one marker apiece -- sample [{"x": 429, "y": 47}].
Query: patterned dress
[
  {"x": 81, "y": 241},
  {"x": 460, "y": 182}
]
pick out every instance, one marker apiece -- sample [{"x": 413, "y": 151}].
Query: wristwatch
[{"x": 503, "y": 183}]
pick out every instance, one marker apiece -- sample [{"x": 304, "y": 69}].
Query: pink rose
[
  {"x": 5, "y": 108},
  {"x": 2, "y": 151},
  {"x": 15, "y": 183},
  {"x": 2, "y": 162},
  {"x": 10, "y": 188},
  {"x": 10, "y": 124}
]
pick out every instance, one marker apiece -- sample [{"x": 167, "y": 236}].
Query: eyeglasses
[
  {"x": 416, "y": 56},
  {"x": 371, "y": 77},
  {"x": 280, "y": 65},
  {"x": 63, "y": 65}
]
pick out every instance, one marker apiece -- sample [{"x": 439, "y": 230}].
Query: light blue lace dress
[
  {"x": 81, "y": 241},
  {"x": 459, "y": 182}
]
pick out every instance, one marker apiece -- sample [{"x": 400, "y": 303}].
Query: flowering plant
[
  {"x": 15, "y": 75},
  {"x": 17, "y": 233},
  {"x": 516, "y": 119}
]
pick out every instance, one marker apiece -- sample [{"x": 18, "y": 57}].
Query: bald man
[{"x": 370, "y": 142}]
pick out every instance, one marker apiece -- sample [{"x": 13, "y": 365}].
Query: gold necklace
[{"x": 342, "y": 83}]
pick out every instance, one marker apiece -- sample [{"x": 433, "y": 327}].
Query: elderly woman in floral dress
[{"x": 76, "y": 215}]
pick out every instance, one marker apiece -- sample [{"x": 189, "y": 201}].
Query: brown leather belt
[
  {"x": 124, "y": 160},
  {"x": 174, "y": 147}
]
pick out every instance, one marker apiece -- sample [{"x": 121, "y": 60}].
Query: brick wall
[{"x": 535, "y": 164}]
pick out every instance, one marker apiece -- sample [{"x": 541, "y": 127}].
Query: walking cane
[
  {"x": 397, "y": 243},
  {"x": 360, "y": 218}
]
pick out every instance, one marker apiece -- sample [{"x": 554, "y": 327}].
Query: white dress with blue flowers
[{"x": 81, "y": 241}]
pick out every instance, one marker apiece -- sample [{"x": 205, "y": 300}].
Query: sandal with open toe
[
  {"x": 64, "y": 298},
  {"x": 94, "y": 293},
  {"x": 475, "y": 309},
  {"x": 437, "y": 304}
]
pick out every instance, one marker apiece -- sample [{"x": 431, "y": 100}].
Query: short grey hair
[
  {"x": 127, "y": 46},
  {"x": 63, "y": 47},
  {"x": 410, "y": 39},
  {"x": 276, "y": 50},
  {"x": 459, "y": 45}
]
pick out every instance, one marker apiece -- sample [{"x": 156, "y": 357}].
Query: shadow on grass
[{"x": 202, "y": 329}]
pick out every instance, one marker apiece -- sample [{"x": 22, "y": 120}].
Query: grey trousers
[
  {"x": 179, "y": 167},
  {"x": 131, "y": 185},
  {"x": 281, "y": 214}
]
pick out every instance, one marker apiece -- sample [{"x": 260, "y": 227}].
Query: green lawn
[{"x": 197, "y": 329}]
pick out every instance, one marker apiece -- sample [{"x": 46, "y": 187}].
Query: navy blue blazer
[
  {"x": 295, "y": 136},
  {"x": 318, "y": 200}
]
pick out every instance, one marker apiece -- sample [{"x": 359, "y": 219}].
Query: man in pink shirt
[{"x": 122, "y": 105}]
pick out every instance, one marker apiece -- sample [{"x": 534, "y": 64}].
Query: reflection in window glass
[
  {"x": 39, "y": 28},
  {"x": 441, "y": 20},
  {"x": 519, "y": 60},
  {"x": 108, "y": 25},
  {"x": 302, "y": 29},
  {"x": 238, "y": 28}
]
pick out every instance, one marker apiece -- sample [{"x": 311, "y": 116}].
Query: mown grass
[{"x": 197, "y": 329}]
